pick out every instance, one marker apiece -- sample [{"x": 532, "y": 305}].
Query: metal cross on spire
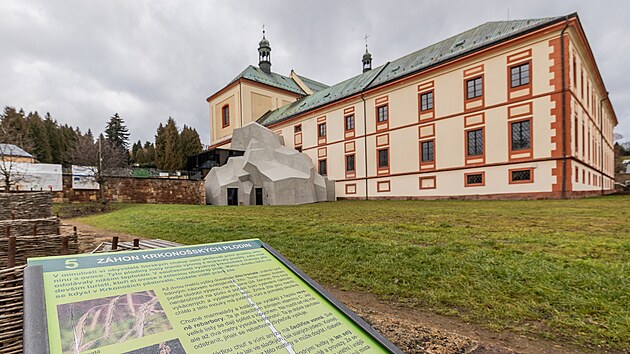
[
  {"x": 366, "y": 38},
  {"x": 263, "y": 30}
]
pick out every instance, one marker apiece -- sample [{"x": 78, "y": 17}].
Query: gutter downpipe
[
  {"x": 601, "y": 135},
  {"x": 564, "y": 113},
  {"x": 365, "y": 157}
]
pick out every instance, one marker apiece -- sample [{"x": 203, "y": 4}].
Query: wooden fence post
[
  {"x": 136, "y": 243},
  {"x": 64, "y": 245},
  {"x": 11, "y": 255},
  {"x": 114, "y": 243}
]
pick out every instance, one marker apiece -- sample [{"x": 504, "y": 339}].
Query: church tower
[
  {"x": 367, "y": 58},
  {"x": 264, "y": 54}
]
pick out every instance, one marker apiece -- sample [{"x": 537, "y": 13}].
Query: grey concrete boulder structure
[{"x": 268, "y": 173}]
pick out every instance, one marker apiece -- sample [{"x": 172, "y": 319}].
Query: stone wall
[
  {"x": 138, "y": 190},
  {"x": 27, "y": 205},
  {"x": 23, "y": 227}
]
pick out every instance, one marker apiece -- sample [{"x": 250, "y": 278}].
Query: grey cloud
[{"x": 147, "y": 60}]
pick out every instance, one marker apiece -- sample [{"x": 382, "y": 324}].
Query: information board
[
  {"x": 38, "y": 176},
  {"x": 83, "y": 177},
  {"x": 237, "y": 297}
]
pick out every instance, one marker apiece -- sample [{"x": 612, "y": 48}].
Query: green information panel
[{"x": 237, "y": 297}]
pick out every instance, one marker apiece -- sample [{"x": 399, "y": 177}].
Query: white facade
[{"x": 518, "y": 150}]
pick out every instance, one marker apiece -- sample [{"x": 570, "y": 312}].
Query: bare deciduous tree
[
  {"x": 102, "y": 157},
  {"x": 12, "y": 139}
]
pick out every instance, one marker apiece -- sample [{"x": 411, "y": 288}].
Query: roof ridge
[
  {"x": 474, "y": 39},
  {"x": 315, "y": 81}
]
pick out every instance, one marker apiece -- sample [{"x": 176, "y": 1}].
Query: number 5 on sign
[{"x": 71, "y": 263}]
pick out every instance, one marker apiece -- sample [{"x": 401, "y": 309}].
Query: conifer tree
[
  {"x": 39, "y": 135},
  {"x": 191, "y": 144},
  {"x": 135, "y": 148},
  {"x": 159, "y": 146},
  {"x": 149, "y": 154},
  {"x": 116, "y": 131},
  {"x": 172, "y": 147},
  {"x": 54, "y": 138}
]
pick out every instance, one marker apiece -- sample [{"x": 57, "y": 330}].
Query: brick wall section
[
  {"x": 27, "y": 205},
  {"x": 139, "y": 190}
]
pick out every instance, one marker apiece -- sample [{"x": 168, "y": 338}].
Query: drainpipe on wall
[
  {"x": 564, "y": 112},
  {"x": 601, "y": 135},
  {"x": 365, "y": 156}
]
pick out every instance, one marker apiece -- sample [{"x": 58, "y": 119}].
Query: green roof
[
  {"x": 279, "y": 81},
  {"x": 312, "y": 84},
  {"x": 472, "y": 40}
]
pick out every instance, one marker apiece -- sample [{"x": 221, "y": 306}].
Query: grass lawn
[{"x": 556, "y": 269}]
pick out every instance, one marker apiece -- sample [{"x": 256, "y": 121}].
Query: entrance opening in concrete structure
[
  {"x": 232, "y": 196},
  {"x": 259, "y": 196}
]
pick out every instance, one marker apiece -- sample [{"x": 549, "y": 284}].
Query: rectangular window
[
  {"x": 426, "y": 101},
  {"x": 321, "y": 130},
  {"x": 297, "y": 128},
  {"x": 474, "y": 88},
  {"x": 521, "y": 135},
  {"x": 521, "y": 176},
  {"x": 225, "y": 113},
  {"x": 428, "y": 151},
  {"x": 474, "y": 179},
  {"x": 383, "y": 158},
  {"x": 520, "y": 75},
  {"x": 382, "y": 113},
  {"x": 322, "y": 167},
  {"x": 475, "y": 142},
  {"x": 349, "y": 163},
  {"x": 350, "y": 122}
]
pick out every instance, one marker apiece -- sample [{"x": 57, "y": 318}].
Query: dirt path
[
  {"x": 418, "y": 331},
  {"x": 95, "y": 235},
  {"x": 413, "y": 330}
]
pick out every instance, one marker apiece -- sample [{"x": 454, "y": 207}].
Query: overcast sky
[{"x": 82, "y": 61}]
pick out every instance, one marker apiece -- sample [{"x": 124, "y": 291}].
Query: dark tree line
[
  {"x": 50, "y": 142},
  {"x": 43, "y": 137},
  {"x": 171, "y": 147}
]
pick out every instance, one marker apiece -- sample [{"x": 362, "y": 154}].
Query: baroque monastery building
[{"x": 509, "y": 109}]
